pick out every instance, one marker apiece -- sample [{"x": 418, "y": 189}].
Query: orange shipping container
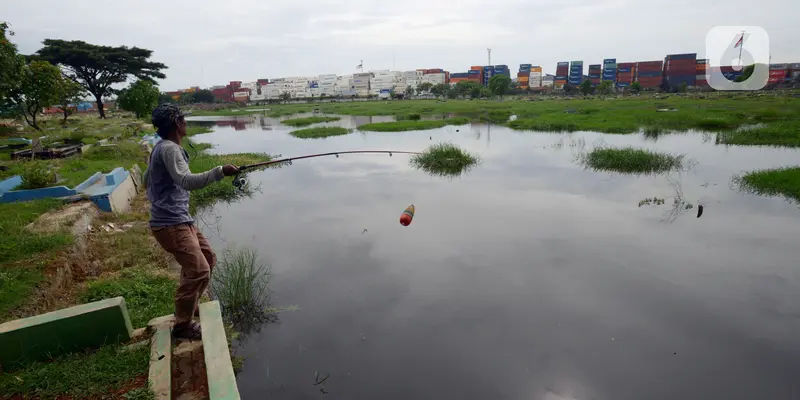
[
  {"x": 536, "y": 69},
  {"x": 522, "y": 79},
  {"x": 476, "y": 67}
]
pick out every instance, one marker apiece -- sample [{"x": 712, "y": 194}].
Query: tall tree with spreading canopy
[
  {"x": 499, "y": 85},
  {"x": 141, "y": 97},
  {"x": 68, "y": 92},
  {"x": 98, "y": 68},
  {"x": 424, "y": 87}
]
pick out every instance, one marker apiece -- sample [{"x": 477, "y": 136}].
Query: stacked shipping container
[
  {"x": 649, "y": 73},
  {"x": 625, "y": 74},
  {"x": 701, "y": 67},
  {"x": 575, "y": 73},
  {"x": 610, "y": 69},
  {"x": 523, "y": 76},
  {"x": 794, "y": 70},
  {"x": 778, "y": 73},
  {"x": 535, "y": 77},
  {"x": 680, "y": 69},
  {"x": 562, "y": 73},
  {"x": 595, "y": 74}
]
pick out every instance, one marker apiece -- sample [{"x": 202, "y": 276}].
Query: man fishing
[{"x": 168, "y": 182}]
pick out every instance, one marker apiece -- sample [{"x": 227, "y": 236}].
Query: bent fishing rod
[{"x": 239, "y": 182}]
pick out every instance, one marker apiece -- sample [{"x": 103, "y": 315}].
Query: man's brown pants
[{"x": 197, "y": 260}]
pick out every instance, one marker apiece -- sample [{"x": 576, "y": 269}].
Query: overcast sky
[{"x": 207, "y": 42}]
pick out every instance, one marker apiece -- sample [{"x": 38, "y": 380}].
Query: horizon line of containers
[{"x": 674, "y": 70}]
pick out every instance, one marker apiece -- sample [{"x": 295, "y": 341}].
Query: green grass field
[
  {"x": 716, "y": 112},
  {"x": 308, "y": 121}
]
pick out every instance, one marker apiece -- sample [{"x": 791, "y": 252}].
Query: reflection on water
[{"x": 531, "y": 277}]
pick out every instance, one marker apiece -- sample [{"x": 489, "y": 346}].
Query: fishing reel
[{"x": 239, "y": 181}]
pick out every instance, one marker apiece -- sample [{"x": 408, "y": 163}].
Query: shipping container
[
  {"x": 522, "y": 79},
  {"x": 624, "y": 70},
  {"x": 536, "y": 69},
  {"x": 476, "y": 67},
  {"x": 778, "y": 66},
  {"x": 647, "y": 74},
  {"x": 677, "y": 80},
  {"x": 561, "y": 77},
  {"x": 609, "y": 61},
  {"x": 594, "y": 66},
  {"x": 782, "y": 73},
  {"x": 702, "y": 61},
  {"x": 625, "y": 65},
  {"x": 594, "y": 76},
  {"x": 686, "y": 56},
  {"x": 563, "y": 63},
  {"x": 623, "y": 84}
]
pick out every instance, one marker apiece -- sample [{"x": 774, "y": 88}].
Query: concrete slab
[
  {"x": 159, "y": 376},
  {"x": 221, "y": 379},
  {"x": 46, "y": 336}
]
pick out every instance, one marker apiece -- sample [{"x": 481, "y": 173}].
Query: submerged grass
[
  {"x": 631, "y": 161},
  {"x": 240, "y": 283},
  {"x": 320, "y": 132},
  {"x": 412, "y": 125},
  {"x": 308, "y": 121},
  {"x": 444, "y": 159},
  {"x": 777, "y": 134},
  {"x": 78, "y": 375},
  {"x": 772, "y": 182},
  {"x": 536, "y": 125}
]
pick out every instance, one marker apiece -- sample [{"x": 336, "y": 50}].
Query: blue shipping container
[
  {"x": 624, "y": 70},
  {"x": 459, "y": 75},
  {"x": 525, "y": 65},
  {"x": 687, "y": 56},
  {"x": 620, "y": 84},
  {"x": 561, "y": 78},
  {"x": 652, "y": 74},
  {"x": 594, "y": 66},
  {"x": 474, "y": 72},
  {"x": 680, "y": 79},
  {"x": 594, "y": 76},
  {"x": 610, "y": 61},
  {"x": 563, "y": 64}
]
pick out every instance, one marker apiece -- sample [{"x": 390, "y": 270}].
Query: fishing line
[{"x": 240, "y": 182}]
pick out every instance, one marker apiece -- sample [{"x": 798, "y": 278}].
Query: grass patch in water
[
  {"x": 631, "y": 161},
  {"x": 308, "y": 121},
  {"x": 536, "y": 125},
  {"x": 223, "y": 190},
  {"x": 444, "y": 159},
  {"x": 770, "y": 135},
  {"x": 240, "y": 283},
  {"x": 772, "y": 182},
  {"x": 412, "y": 125},
  {"x": 715, "y": 124},
  {"x": 320, "y": 132}
]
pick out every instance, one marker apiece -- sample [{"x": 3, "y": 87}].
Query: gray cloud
[{"x": 208, "y": 42}]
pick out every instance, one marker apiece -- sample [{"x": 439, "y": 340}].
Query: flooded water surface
[{"x": 528, "y": 278}]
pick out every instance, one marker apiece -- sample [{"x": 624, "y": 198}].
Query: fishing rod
[{"x": 239, "y": 182}]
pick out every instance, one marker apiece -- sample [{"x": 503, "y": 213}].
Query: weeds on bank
[
  {"x": 80, "y": 375},
  {"x": 147, "y": 294}
]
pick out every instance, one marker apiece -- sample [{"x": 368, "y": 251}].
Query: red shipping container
[
  {"x": 626, "y": 65},
  {"x": 781, "y": 73},
  {"x": 521, "y": 74},
  {"x": 595, "y": 81},
  {"x": 772, "y": 80}
]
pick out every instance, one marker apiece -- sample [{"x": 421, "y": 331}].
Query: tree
[
  {"x": 165, "y": 98},
  {"x": 286, "y": 96},
  {"x": 746, "y": 73},
  {"x": 636, "y": 87},
  {"x": 204, "y": 96},
  {"x": 141, "y": 97},
  {"x": 569, "y": 89},
  {"x": 605, "y": 87},
  {"x": 499, "y": 85},
  {"x": 97, "y": 68},
  {"x": 11, "y": 66},
  {"x": 187, "y": 98},
  {"x": 38, "y": 88},
  {"x": 409, "y": 91},
  {"x": 466, "y": 88},
  {"x": 424, "y": 87},
  {"x": 69, "y": 92},
  {"x": 586, "y": 87},
  {"x": 439, "y": 90},
  {"x": 682, "y": 87}
]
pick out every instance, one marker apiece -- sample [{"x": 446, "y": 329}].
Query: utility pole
[{"x": 489, "y": 51}]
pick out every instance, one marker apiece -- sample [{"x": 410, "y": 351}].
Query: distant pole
[{"x": 489, "y": 52}]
